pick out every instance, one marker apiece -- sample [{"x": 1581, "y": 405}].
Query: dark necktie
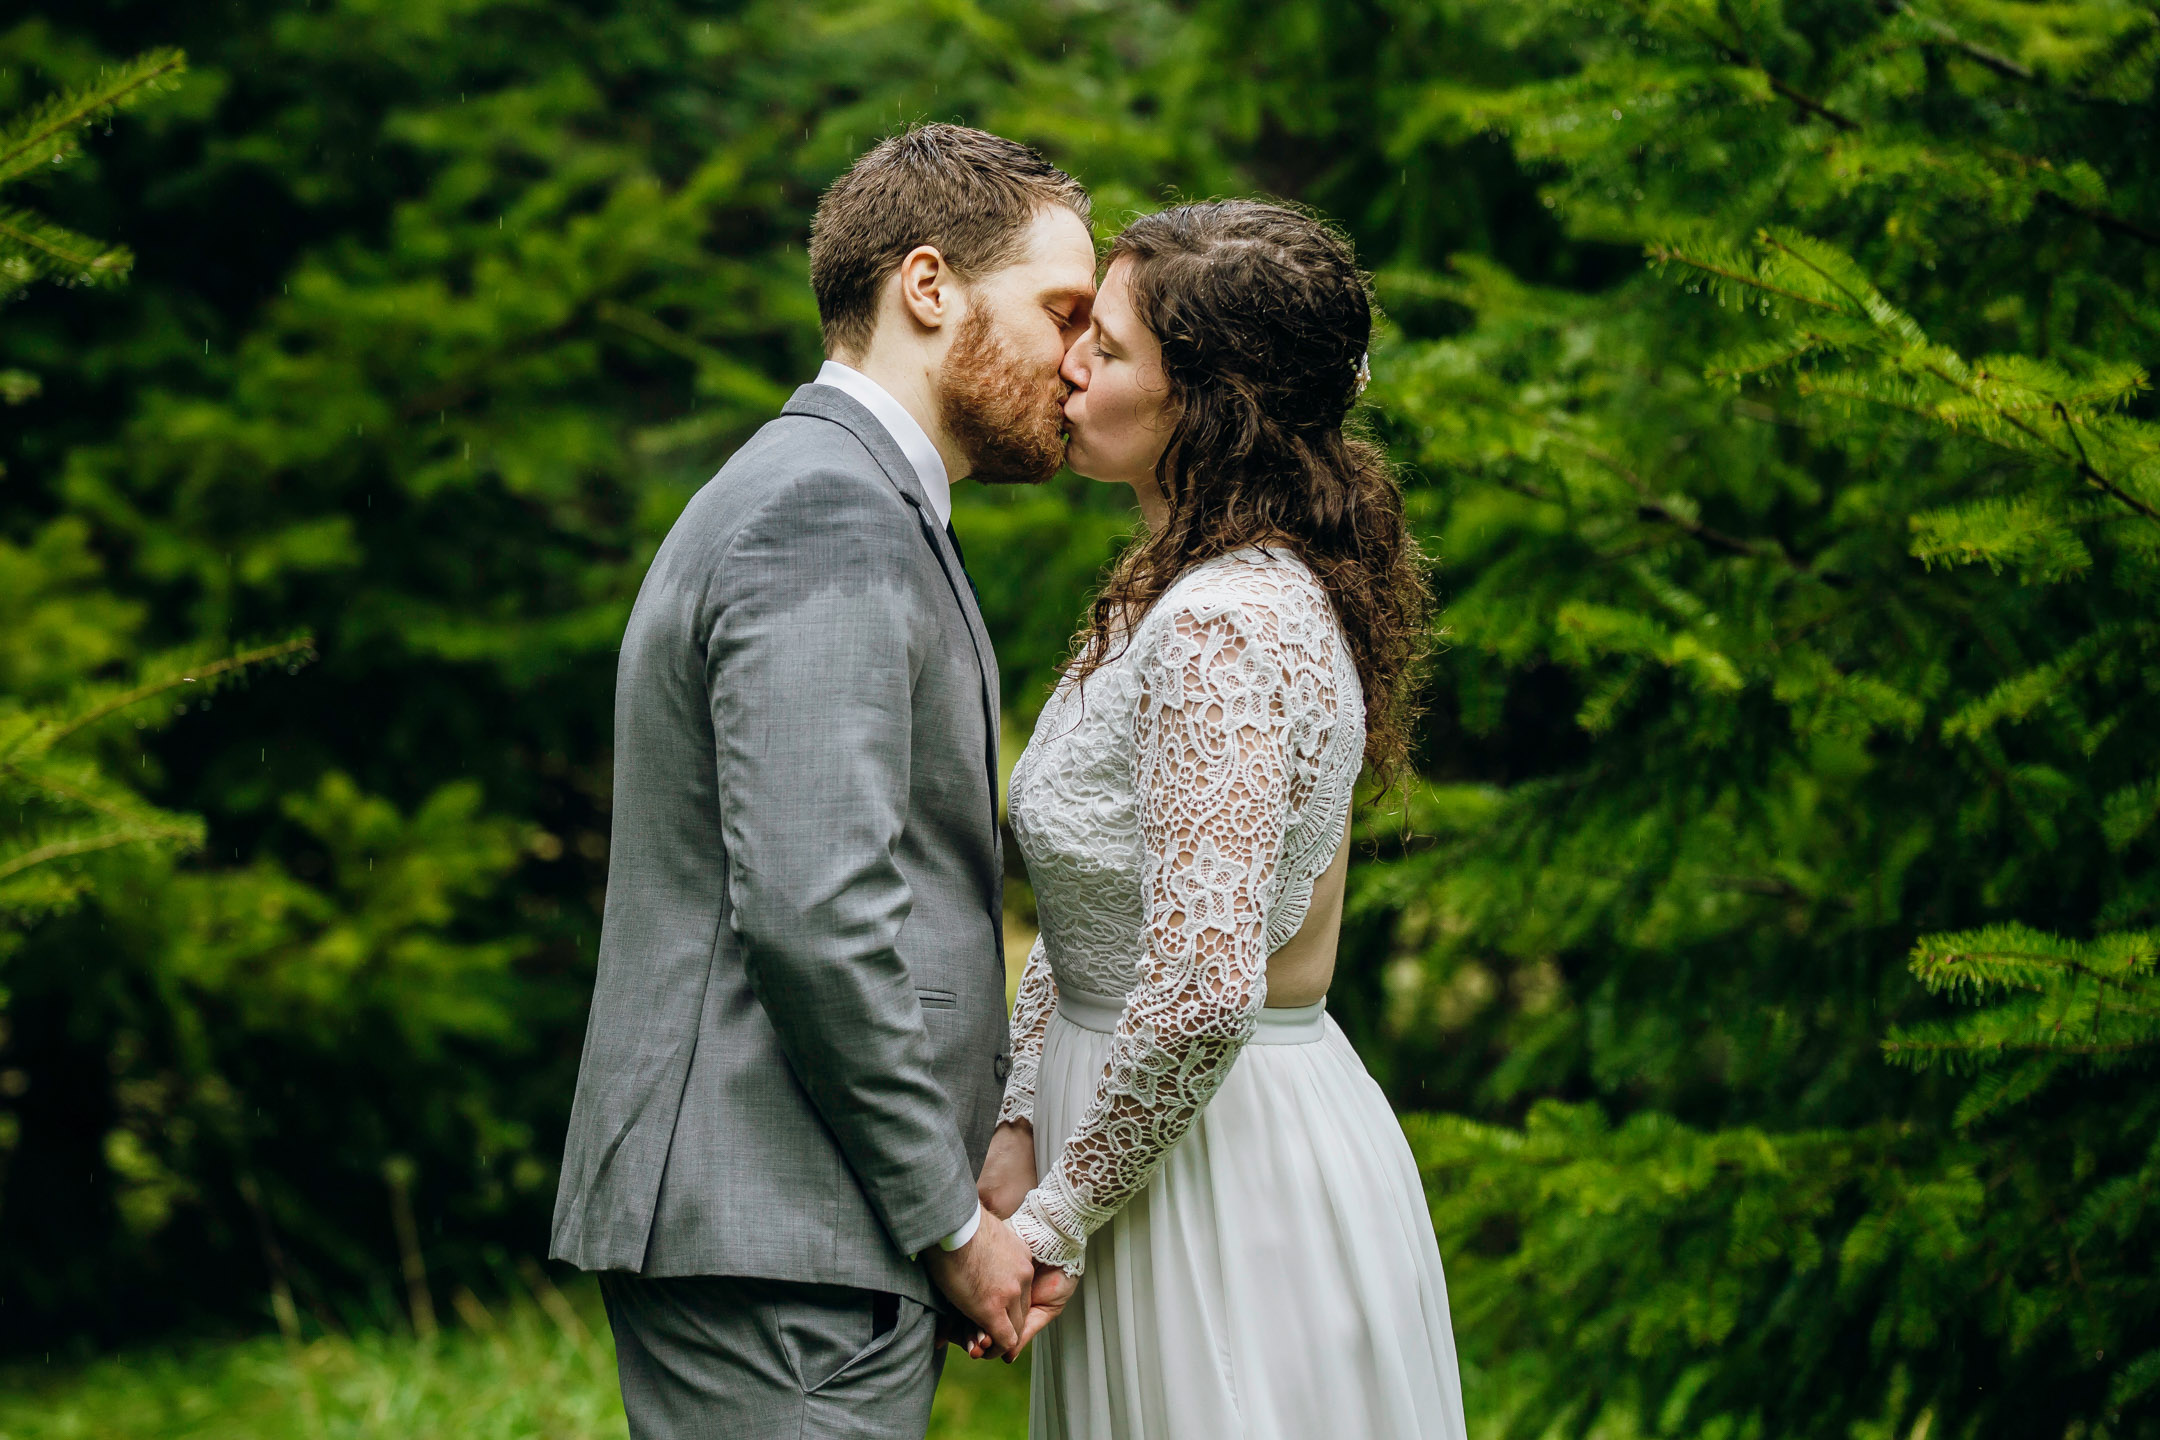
[{"x": 961, "y": 555}]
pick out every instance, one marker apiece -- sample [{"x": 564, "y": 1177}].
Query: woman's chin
[
  {"x": 1076, "y": 460},
  {"x": 1087, "y": 467}
]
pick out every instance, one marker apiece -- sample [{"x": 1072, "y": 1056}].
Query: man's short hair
[{"x": 967, "y": 192}]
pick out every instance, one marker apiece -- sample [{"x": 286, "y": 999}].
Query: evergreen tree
[
  {"x": 49, "y": 640},
  {"x": 1836, "y": 530},
  {"x": 32, "y": 247},
  {"x": 1767, "y": 942},
  {"x": 473, "y": 297},
  {"x": 74, "y": 830}
]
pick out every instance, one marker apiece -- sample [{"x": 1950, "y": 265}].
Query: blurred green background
[{"x": 1762, "y": 960}]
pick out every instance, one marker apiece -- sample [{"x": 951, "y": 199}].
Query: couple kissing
[{"x": 810, "y": 1148}]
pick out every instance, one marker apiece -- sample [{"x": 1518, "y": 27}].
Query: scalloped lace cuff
[
  {"x": 1019, "y": 1101},
  {"x": 1059, "y": 1240}
]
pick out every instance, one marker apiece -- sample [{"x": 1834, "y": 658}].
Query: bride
[{"x": 1184, "y": 1125}]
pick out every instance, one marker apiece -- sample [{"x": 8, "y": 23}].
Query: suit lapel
[{"x": 826, "y": 403}]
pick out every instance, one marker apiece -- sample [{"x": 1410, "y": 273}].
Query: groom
[{"x": 798, "y": 1044}]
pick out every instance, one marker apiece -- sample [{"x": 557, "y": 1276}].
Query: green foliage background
[{"x": 1764, "y": 960}]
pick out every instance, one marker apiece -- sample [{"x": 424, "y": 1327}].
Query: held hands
[
  {"x": 991, "y": 1279},
  {"x": 1046, "y": 1301},
  {"x": 1008, "y": 1174}
]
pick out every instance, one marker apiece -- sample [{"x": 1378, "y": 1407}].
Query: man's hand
[
  {"x": 990, "y": 1279},
  {"x": 1008, "y": 1172},
  {"x": 1046, "y": 1299}
]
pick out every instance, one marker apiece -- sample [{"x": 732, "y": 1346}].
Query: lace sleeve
[
  {"x": 1032, "y": 1009},
  {"x": 1213, "y": 772}
]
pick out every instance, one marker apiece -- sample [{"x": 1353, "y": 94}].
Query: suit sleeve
[{"x": 810, "y": 659}]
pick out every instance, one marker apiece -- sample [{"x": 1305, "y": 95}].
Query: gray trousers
[{"x": 713, "y": 1357}]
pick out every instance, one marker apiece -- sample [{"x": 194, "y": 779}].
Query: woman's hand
[{"x": 1008, "y": 1172}]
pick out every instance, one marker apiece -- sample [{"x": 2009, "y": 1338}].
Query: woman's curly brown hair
[{"x": 1264, "y": 320}]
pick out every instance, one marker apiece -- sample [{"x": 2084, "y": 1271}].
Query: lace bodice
[{"x": 1175, "y": 811}]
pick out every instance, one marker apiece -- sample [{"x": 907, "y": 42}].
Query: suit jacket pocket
[{"x": 938, "y": 999}]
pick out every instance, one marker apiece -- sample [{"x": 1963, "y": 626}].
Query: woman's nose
[{"x": 1074, "y": 366}]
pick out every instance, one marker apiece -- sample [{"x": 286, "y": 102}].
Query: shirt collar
[{"x": 909, "y": 436}]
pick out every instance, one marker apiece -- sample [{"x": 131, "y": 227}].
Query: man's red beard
[{"x": 1011, "y": 428}]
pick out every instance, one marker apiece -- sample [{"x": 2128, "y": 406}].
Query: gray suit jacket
[{"x": 797, "y": 1044}]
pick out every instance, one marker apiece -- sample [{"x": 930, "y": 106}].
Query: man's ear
[{"x": 927, "y": 287}]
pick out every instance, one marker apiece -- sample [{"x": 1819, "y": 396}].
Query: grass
[
  {"x": 528, "y": 1368},
  {"x": 541, "y": 1365}
]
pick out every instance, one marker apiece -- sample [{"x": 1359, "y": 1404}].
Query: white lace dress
[{"x": 1258, "y": 1260}]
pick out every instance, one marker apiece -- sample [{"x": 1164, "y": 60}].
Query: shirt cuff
[{"x": 965, "y": 1233}]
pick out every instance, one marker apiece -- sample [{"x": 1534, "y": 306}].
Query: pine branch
[
  {"x": 1846, "y": 124},
  {"x": 1647, "y": 508},
  {"x": 47, "y": 132},
  {"x": 91, "y": 844},
  {"x": 2002, "y": 65},
  {"x": 88, "y": 799},
  {"x": 652, "y": 332},
  {"x": 1901, "y": 1045},
  {"x": 2011, "y": 957},
  {"x": 2094, "y": 999},
  {"x": 1861, "y": 302},
  {"x": 730, "y": 376},
  {"x": 1988, "y": 59},
  {"x": 46, "y": 249},
  {"x": 2105, "y": 220},
  {"x": 2009, "y": 418},
  {"x": 45, "y": 739},
  {"x": 1672, "y": 255},
  {"x": 1736, "y": 55},
  {"x": 1809, "y": 104},
  {"x": 2077, "y": 462},
  {"x": 2094, "y": 477},
  {"x": 1911, "y": 343},
  {"x": 1714, "y": 539}
]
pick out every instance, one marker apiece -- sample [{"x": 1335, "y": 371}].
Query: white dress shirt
[
  {"x": 937, "y": 488},
  {"x": 909, "y": 436}
]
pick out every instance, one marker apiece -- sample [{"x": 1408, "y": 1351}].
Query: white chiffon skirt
[{"x": 1276, "y": 1280}]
